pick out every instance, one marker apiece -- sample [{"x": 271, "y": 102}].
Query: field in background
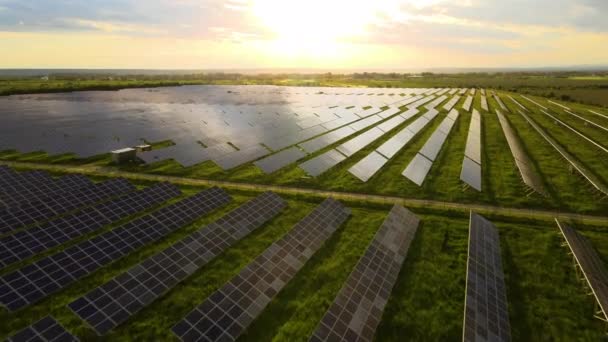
[{"x": 584, "y": 87}]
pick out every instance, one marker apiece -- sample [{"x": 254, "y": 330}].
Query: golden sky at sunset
[{"x": 390, "y": 34}]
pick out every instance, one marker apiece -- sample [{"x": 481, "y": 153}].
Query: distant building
[{"x": 123, "y": 155}]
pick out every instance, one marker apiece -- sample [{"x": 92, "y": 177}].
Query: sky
[{"x": 315, "y": 34}]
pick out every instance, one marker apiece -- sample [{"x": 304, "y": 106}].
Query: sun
[{"x": 312, "y": 20}]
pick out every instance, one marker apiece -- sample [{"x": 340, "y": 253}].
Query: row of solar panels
[
  {"x": 355, "y": 312},
  {"x": 61, "y": 126}
]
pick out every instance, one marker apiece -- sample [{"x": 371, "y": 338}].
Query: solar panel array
[
  {"x": 536, "y": 103},
  {"x": 590, "y": 263},
  {"x": 468, "y": 102},
  {"x": 187, "y": 153},
  {"x": 50, "y": 274},
  {"x": 113, "y": 303},
  {"x": 322, "y": 163},
  {"x": 46, "y": 208},
  {"x": 421, "y": 102},
  {"x": 46, "y": 329},
  {"x": 524, "y": 164},
  {"x": 227, "y": 313},
  {"x": 436, "y": 102},
  {"x": 590, "y": 177},
  {"x": 418, "y": 168},
  {"x": 325, "y": 140},
  {"x": 518, "y": 104},
  {"x": 373, "y": 162},
  {"x": 486, "y": 315},
  {"x": 359, "y": 142},
  {"x": 500, "y": 103},
  {"x": 593, "y": 142},
  {"x": 598, "y": 114},
  {"x": 357, "y": 309},
  {"x": 484, "y": 103},
  {"x": 587, "y": 121},
  {"x": 41, "y": 238},
  {"x": 17, "y": 190},
  {"x": 279, "y": 160},
  {"x": 450, "y": 104},
  {"x": 471, "y": 164}
]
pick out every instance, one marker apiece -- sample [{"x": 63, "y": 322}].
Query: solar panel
[
  {"x": 435, "y": 103},
  {"x": 431, "y": 114},
  {"x": 517, "y": 103},
  {"x": 536, "y": 103},
  {"x": 591, "y": 265},
  {"x": 25, "y": 180},
  {"x": 587, "y": 121},
  {"x": 241, "y": 157},
  {"x": 467, "y": 103},
  {"x": 473, "y": 145},
  {"x": 227, "y": 313},
  {"x": 522, "y": 160},
  {"x": 294, "y": 138},
  {"x": 15, "y": 218},
  {"x": 500, "y": 103},
  {"x": 484, "y": 103},
  {"x": 368, "y": 166},
  {"x": 471, "y": 173},
  {"x": 277, "y": 161},
  {"x": 14, "y": 195},
  {"x": 418, "y": 124},
  {"x": 389, "y": 112},
  {"x": 359, "y": 142},
  {"x": 592, "y": 179},
  {"x": 599, "y": 114},
  {"x": 50, "y": 274},
  {"x": 322, "y": 163},
  {"x": 114, "y": 302},
  {"x": 362, "y": 124},
  {"x": 450, "y": 104},
  {"x": 357, "y": 309},
  {"x": 46, "y": 329},
  {"x": 41, "y": 238},
  {"x": 596, "y": 144},
  {"x": 391, "y": 123},
  {"x": 486, "y": 316},
  {"x": 325, "y": 140},
  {"x": 410, "y": 113},
  {"x": 421, "y": 102},
  {"x": 432, "y": 146},
  {"x": 417, "y": 169},
  {"x": 395, "y": 143}
]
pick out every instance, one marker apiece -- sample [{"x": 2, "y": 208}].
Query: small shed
[{"x": 123, "y": 155}]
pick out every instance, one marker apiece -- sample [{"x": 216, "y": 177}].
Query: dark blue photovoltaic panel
[
  {"x": 227, "y": 313},
  {"x": 14, "y": 218},
  {"x": 50, "y": 274},
  {"x": 357, "y": 310},
  {"x": 24, "y": 244},
  {"x": 46, "y": 329},
  {"x": 114, "y": 302}
]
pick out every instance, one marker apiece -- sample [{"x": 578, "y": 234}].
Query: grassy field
[{"x": 546, "y": 301}]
